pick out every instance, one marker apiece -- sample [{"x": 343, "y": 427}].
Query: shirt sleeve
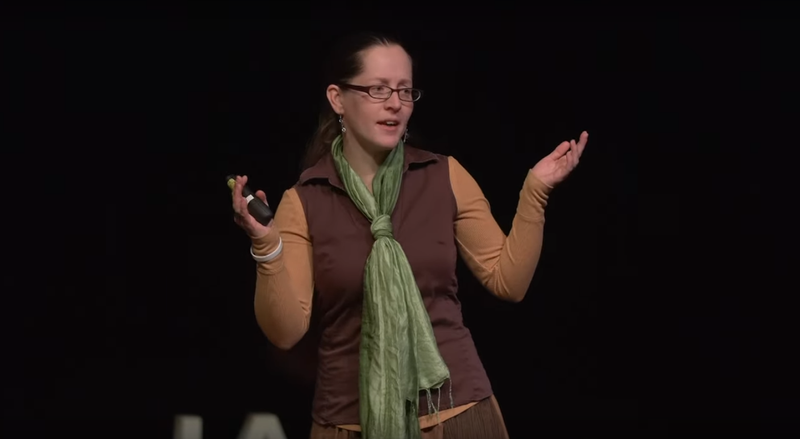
[
  {"x": 504, "y": 265},
  {"x": 285, "y": 285}
]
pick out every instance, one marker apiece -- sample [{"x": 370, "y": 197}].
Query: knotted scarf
[{"x": 399, "y": 356}]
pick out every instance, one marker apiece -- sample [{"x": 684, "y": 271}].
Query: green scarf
[{"x": 399, "y": 356}]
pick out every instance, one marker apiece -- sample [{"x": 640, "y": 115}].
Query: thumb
[
  {"x": 260, "y": 194},
  {"x": 560, "y": 150}
]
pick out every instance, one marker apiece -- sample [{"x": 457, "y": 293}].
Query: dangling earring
[
  {"x": 405, "y": 136},
  {"x": 341, "y": 122}
]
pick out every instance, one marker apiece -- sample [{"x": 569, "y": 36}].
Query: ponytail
[{"x": 321, "y": 141}]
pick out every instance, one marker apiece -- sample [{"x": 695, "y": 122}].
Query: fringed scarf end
[{"x": 437, "y": 407}]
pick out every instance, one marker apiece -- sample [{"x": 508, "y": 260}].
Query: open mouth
[{"x": 389, "y": 124}]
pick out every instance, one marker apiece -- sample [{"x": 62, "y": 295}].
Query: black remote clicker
[{"x": 259, "y": 209}]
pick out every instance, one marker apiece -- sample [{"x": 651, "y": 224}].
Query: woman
[{"x": 374, "y": 226}]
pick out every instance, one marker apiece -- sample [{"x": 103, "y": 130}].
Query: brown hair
[{"x": 344, "y": 63}]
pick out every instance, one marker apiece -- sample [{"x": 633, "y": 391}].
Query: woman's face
[{"x": 376, "y": 123}]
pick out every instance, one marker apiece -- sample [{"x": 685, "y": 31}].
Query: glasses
[{"x": 384, "y": 92}]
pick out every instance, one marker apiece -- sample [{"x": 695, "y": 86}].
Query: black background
[{"x": 656, "y": 310}]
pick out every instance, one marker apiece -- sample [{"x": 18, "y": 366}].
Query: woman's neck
[{"x": 365, "y": 161}]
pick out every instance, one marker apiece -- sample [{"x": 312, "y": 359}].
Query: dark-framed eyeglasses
[{"x": 384, "y": 92}]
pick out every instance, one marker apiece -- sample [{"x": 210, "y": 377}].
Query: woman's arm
[
  {"x": 285, "y": 285},
  {"x": 503, "y": 264}
]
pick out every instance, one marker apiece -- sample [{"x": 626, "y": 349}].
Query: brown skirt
[{"x": 484, "y": 420}]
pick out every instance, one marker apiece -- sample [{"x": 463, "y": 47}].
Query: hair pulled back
[{"x": 343, "y": 64}]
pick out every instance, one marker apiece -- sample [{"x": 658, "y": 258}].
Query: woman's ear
[{"x": 335, "y": 98}]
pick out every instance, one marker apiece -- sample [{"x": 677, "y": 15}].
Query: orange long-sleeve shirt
[{"x": 504, "y": 265}]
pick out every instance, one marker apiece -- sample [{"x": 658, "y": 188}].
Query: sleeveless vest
[{"x": 423, "y": 222}]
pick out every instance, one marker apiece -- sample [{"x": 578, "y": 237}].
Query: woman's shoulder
[{"x": 416, "y": 155}]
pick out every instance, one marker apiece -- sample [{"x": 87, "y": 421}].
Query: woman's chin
[{"x": 386, "y": 142}]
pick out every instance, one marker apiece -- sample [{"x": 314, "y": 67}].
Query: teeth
[{"x": 390, "y": 123}]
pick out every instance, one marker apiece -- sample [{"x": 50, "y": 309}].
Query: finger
[
  {"x": 236, "y": 193},
  {"x": 572, "y": 155},
  {"x": 582, "y": 143},
  {"x": 240, "y": 182},
  {"x": 243, "y": 202},
  {"x": 240, "y": 221},
  {"x": 242, "y": 210},
  {"x": 238, "y": 198},
  {"x": 235, "y": 185},
  {"x": 568, "y": 161},
  {"x": 560, "y": 150},
  {"x": 260, "y": 194}
]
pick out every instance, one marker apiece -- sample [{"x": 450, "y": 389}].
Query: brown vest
[{"x": 423, "y": 222}]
